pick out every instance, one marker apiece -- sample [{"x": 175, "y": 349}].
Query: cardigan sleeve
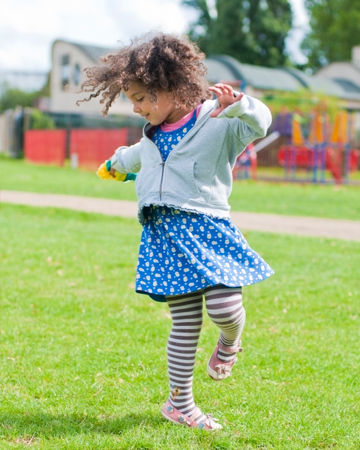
[
  {"x": 254, "y": 119},
  {"x": 127, "y": 159}
]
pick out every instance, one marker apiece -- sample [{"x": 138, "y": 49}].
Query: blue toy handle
[{"x": 129, "y": 176}]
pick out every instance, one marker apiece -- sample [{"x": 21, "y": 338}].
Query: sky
[{"x": 28, "y": 27}]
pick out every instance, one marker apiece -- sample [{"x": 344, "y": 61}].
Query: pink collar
[{"x": 167, "y": 127}]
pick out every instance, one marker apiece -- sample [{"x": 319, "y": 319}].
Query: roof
[
  {"x": 328, "y": 86},
  {"x": 344, "y": 65},
  {"x": 94, "y": 52},
  {"x": 356, "y": 65},
  {"x": 348, "y": 85},
  {"x": 223, "y": 67}
]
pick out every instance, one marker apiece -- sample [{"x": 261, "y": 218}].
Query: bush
[
  {"x": 41, "y": 121},
  {"x": 302, "y": 101}
]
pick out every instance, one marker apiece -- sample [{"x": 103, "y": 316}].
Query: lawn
[
  {"x": 83, "y": 361},
  {"x": 266, "y": 197}
]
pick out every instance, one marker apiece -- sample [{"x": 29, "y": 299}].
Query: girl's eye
[{"x": 140, "y": 99}]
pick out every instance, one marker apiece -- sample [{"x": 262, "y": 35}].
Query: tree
[
  {"x": 252, "y": 31},
  {"x": 13, "y": 97},
  {"x": 334, "y": 31}
]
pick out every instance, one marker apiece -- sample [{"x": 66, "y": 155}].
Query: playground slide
[
  {"x": 248, "y": 159},
  {"x": 266, "y": 141}
]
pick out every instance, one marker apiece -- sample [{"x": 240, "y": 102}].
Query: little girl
[{"x": 189, "y": 247}]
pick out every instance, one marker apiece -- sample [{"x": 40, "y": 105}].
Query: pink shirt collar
[{"x": 167, "y": 127}]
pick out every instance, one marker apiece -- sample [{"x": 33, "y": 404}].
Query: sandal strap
[
  {"x": 224, "y": 368},
  {"x": 195, "y": 414},
  {"x": 230, "y": 349},
  {"x": 210, "y": 422}
]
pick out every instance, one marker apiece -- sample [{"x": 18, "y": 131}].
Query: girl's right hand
[{"x": 225, "y": 95}]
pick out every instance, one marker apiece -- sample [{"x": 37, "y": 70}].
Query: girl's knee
[{"x": 224, "y": 306}]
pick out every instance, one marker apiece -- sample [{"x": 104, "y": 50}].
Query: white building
[{"x": 69, "y": 59}]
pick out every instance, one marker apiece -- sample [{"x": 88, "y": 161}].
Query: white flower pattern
[
  {"x": 166, "y": 141},
  {"x": 230, "y": 261}
]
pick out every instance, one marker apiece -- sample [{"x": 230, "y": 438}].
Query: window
[
  {"x": 65, "y": 70},
  {"x": 77, "y": 74}
]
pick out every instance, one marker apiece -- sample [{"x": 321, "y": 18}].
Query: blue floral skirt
[{"x": 182, "y": 252}]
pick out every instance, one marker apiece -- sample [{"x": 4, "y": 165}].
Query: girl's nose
[{"x": 136, "y": 109}]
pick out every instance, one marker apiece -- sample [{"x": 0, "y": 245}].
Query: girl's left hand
[{"x": 225, "y": 96}]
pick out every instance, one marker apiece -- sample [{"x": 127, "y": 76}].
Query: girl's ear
[{"x": 171, "y": 96}]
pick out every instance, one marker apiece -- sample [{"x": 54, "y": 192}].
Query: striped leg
[
  {"x": 225, "y": 309},
  {"x": 186, "y": 313}
]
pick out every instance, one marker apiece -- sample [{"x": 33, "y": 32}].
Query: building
[
  {"x": 69, "y": 59},
  {"x": 345, "y": 73}
]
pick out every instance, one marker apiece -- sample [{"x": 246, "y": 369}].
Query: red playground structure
[
  {"x": 315, "y": 151},
  {"x": 325, "y": 149}
]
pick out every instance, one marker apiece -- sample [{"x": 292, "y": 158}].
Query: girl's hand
[{"x": 225, "y": 96}]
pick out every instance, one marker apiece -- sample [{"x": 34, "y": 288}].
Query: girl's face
[{"x": 162, "y": 110}]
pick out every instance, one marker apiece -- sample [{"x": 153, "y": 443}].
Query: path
[{"x": 305, "y": 226}]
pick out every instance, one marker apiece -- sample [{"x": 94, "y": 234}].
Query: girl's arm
[
  {"x": 126, "y": 159},
  {"x": 255, "y": 117}
]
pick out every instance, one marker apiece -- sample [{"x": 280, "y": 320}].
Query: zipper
[
  {"x": 161, "y": 179},
  {"x": 162, "y": 162}
]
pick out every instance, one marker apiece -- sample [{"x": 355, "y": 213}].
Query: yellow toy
[{"x": 104, "y": 173}]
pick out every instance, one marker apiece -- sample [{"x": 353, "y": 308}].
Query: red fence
[
  {"x": 88, "y": 148},
  {"x": 45, "y": 146},
  {"x": 301, "y": 156}
]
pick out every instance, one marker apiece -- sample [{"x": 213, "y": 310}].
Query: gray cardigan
[{"x": 197, "y": 175}]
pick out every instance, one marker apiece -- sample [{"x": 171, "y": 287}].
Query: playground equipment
[
  {"x": 314, "y": 148},
  {"x": 323, "y": 148},
  {"x": 246, "y": 164}
]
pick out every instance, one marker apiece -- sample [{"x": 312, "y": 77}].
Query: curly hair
[{"x": 159, "y": 62}]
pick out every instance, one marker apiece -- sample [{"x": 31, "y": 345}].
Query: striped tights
[{"x": 224, "y": 307}]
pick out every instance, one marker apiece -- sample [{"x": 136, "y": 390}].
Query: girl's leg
[
  {"x": 186, "y": 313},
  {"x": 225, "y": 309}
]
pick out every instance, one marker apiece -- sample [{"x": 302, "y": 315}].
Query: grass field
[
  {"x": 274, "y": 198},
  {"x": 83, "y": 362}
]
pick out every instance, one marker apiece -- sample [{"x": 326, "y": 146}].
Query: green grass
[
  {"x": 17, "y": 175},
  {"x": 83, "y": 359},
  {"x": 274, "y": 198}
]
